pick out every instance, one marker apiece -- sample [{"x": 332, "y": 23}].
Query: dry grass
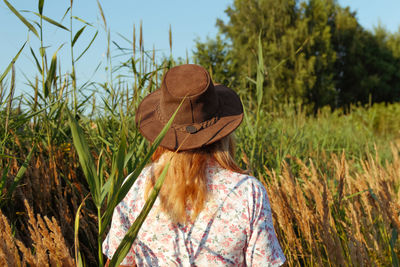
[
  {"x": 333, "y": 215},
  {"x": 9, "y": 255},
  {"x": 53, "y": 188},
  {"x": 48, "y": 244},
  {"x": 345, "y": 220}
]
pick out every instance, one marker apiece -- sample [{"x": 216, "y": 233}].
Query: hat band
[{"x": 189, "y": 128}]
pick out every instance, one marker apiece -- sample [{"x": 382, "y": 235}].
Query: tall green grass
[{"x": 289, "y": 131}]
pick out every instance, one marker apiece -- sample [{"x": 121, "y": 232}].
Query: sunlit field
[{"x": 66, "y": 147}]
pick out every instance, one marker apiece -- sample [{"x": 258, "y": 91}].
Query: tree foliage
[{"x": 315, "y": 52}]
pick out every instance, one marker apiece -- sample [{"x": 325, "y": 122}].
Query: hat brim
[{"x": 230, "y": 117}]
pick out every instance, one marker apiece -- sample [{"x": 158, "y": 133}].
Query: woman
[{"x": 209, "y": 213}]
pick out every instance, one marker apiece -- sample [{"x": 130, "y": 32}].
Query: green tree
[
  {"x": 365, "y": 68},
  {"x": 296, "y": 47},
  {"x": 214, "y": 54},
  {"x": 393, "y": 43},
  {"x": 314, "y": 51},
  {"x": 320, "y": 52},
  {"x": 276, "y": 22}
]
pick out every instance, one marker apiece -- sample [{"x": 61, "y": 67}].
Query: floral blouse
[{"x": 234, "y": 229}]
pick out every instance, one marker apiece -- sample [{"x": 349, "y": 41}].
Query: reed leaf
[
  {"x": 78, "y": 257},
  {"x": 130, "y": 236},
  {"x": 51, "y": 75},
  {"x": 27, "y": 24},
  {"x": 85, "y": 159},
  {"x": 65, "y": 14},
  {"x": 40, "y": 6},
  {"x": 20, "y": 174},
  {"x": 392, "y": 243},
  {"x": 87, "y": 48},
  {"x": 36, "y": 60},
  {"x": 123, "y": 37},
  {"x": 11, "y": 63},
  {"x": 102, "y": 15},
  {"x": 170, "y": 39},
  {"x": 42, "y": 51},
  {"x": 82, "y": 20},
  {"x": 251, "y": 80},
  {"x": 134, "y": 150},
  {"x": 76, "y": 36},
  {"x": 51, "y": 21},
  {"x": 117, "y": 175},
  {"x": 10, "y": 99},
  {"x": 260, "y": 75},
  {"x": 259, "y": 93}
]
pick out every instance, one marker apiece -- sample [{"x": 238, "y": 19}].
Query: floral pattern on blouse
[{"x": 234, "y": 229}]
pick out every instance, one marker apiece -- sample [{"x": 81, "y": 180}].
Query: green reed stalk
[
  {"x": 10, "y": 100},
  {"x": 73, "y": 73},
  {"x": 254, "y": 129},
  {"x": 42, "y": 50}
]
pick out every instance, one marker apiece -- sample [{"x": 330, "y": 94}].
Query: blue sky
[
  {"x": 372, "y": 12},
  {"x": 189, "y": 19}
]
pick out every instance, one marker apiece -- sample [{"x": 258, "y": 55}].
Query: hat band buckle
[{"x": 192, "y": 127}]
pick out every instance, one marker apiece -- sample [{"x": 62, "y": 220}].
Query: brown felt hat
[{"x": 208, "y": 113}]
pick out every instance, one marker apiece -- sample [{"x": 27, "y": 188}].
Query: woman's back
[
  {"x": 234, "y": 228},
  {"x": 207, "y": 213}
]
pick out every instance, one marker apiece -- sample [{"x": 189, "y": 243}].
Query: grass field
[{"x": 332, "y": 178}]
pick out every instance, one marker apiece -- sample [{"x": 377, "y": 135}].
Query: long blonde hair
[{"x": 184, "y": 191}]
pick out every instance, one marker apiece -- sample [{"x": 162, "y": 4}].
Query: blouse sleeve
[
  {"x": 263, "y": 248},
  {"x": 119, "y": 227}
]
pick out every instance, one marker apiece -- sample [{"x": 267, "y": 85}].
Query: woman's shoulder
[{"x": 235, "y": 181}]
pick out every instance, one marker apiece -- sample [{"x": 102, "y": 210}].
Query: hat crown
[
  {"x": 192, "y": 84},
  {"x": 186, "y": 80}
]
